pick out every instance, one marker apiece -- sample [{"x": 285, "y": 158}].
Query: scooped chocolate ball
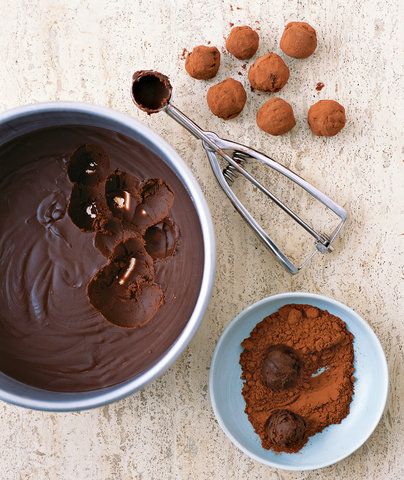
[
  {"x": 203, "y": 62},
  {"x": 226, "y": 99},
  {"x": 276, "y": 116},
  {"x": 268, "y": 73},
  {"x": 151, "y": 90},
  {"x": 242, "y": 42},
  {"x": 161, "y": 239},
  {"x": 299, "y": 40},
  {"x": 286, "y": 429},
  {"x": 280, "y": 367},
  {"x": 122, "y": 193},
  {"x": 88, "y": 165},
  {"x": 326, "y": 118}
]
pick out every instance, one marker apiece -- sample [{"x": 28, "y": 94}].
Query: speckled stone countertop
[{"x": 86, "y": 51}]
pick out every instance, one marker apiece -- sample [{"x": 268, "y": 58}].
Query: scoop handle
[{"x": 189, "y": 125}]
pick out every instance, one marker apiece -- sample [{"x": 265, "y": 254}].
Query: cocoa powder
[
  {"x": 319, "y": 86},
  {"x": 322, "y": 392}
]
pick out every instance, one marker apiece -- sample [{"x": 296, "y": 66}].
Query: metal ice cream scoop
[{"x": 151, "y": 92}]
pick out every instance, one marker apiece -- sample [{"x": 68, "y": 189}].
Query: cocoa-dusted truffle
[
  {"x": 286, "y": 429},
  {"x": 226, "y": 99},
  {"x": 299, "y": 40},
  {"x": 276, "y": 116},
  {"x": 203, "y": 62},
  {"x": 268, "y": 73},
  {"x": 87, "y": 208},
  {"x": 326, "y": 118},
  {"x": 161, "y": 239},
  {"x": 242, "y": 42},
  {"x": 280, "y": 367}
]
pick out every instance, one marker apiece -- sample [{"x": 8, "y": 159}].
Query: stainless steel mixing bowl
[{"x": 23, "y": 120}]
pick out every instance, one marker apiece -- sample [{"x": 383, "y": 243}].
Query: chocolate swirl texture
[{"x": 50, "y": 335}]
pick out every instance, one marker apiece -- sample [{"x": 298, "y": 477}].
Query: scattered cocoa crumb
[
  {"x": 184, "y": 54},
  {"x": 231, "y": 24},
  {"x": 208, "y": 42},
  {"x": 231, "y": 8},
  {"x": 244, "y": 66},
  {"x": 238, "y": 8},
  {"x": 239, "y": 73},
  {"x": 319, "y": 86},
  {"x": 251, "y": 88}
]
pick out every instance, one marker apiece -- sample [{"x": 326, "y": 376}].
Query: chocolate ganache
[{"x": 62, "y": 271}]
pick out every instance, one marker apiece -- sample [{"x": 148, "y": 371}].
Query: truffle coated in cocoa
[
  {"x": 122, "y": 193},
  {"x": 326, "y": 118},
  {"x": 299, "y": 40},
  {"x": 280, "y": 368},
  {"x": 157, "y": 200},
  {"x": 276, "y": 116},
  {"x": 203, "y": 62},
  {"x": 227, "y": 99},
  {"x": 285, "y": 429},
  {"x": 268, "y": 73},
  {"x": 242, "y": 42}
]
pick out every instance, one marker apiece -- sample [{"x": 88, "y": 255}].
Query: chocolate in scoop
[
  {"x": 161, "y": 239},
  {"x": 151, "y": 91}
]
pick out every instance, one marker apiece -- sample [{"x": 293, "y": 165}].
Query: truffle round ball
[
  {"x": 226, "y": 99},
  {"x": 88, "y": 165},
  {"x": 276, "y": 116},
  {"x": 242, "y": 42},
  {"x": 280, "y": 367},
  {"x": 299, "y": 40},
  {"x": 203, "y": 62},
  {"x": 268, "y": 73},
  {"x": 326, "y": 118},
  {"x": 161, "y": 239},
  {"x": 285, "y": 428}
]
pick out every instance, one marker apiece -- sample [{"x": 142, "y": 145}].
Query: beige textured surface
[{"x": 86, "y": 50}]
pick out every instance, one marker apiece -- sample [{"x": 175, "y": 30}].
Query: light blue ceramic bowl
[{"x": 335, "y": 442}]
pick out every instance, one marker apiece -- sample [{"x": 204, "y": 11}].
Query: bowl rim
[
  {"x": 305, "y": 297},
  {"x": 104, "y": 396}
]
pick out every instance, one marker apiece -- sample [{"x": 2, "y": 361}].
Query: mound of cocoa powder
[{"x": 319, "y": 375}]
